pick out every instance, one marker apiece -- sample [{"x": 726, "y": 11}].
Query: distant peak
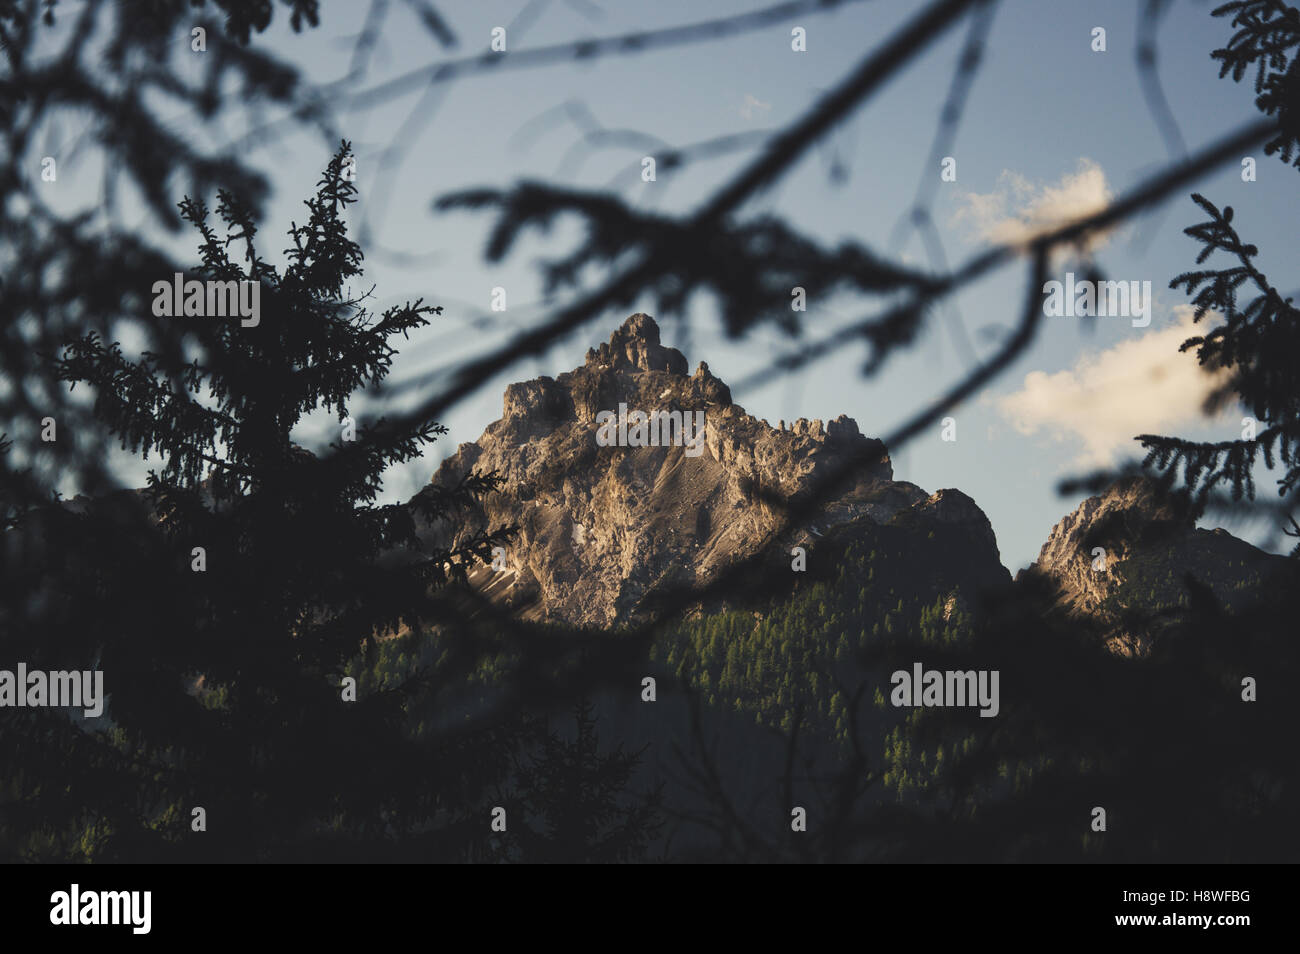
[
  {"x": 635, "y": 346},
  {"x": 640, "y": 326}
]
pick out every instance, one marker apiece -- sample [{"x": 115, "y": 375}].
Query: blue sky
[{"x": 1050, "y": 124}]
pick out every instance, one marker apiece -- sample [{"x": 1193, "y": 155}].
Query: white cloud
[
  {"x": 752, "y": 103},
  {"x": 1018, "y": 209},
  {"x": 1142, "y": 386}
]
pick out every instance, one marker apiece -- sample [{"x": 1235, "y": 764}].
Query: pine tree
[
  {"x": 1255, "y": 346},
  {"x": 574, "y": 800},
  {"x": 225, "y": 683}
]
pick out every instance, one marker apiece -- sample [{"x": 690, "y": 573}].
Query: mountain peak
[
  {"x": 640, "y": 326},
  {"x": 1130, "y": 548},
  {"x": 635, "y": 346},
  {"x": 605, "y": 523}
]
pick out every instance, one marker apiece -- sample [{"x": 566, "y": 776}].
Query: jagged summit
[
  {"x": 602, "y": 526},
  {"x": 1130, "y": 548},
  {"x": 635, "y": 346},
  {"x": 1127, "y": 517}
]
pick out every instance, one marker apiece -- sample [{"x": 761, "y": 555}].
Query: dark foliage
[{"x": 225, "y": 683}]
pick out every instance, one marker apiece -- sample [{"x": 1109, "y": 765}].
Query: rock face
[
  {"x": 1150, "y": 547},
  {"x": 1118, "y": 521},
  {"x": 602, "y": 526}
]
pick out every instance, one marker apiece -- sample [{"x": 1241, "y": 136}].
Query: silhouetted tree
[
  {"x": 222, "y": 613},
  {"x": 573, "y": 801},
  {"x": 223, "y": 681}
]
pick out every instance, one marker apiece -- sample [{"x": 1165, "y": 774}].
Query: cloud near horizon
[
  {"x": 1017, "y": 209},
  {"x": 1142, "y": 386}
]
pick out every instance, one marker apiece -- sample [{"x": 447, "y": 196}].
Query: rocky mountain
[
  {"x": 1125, "y": 555},
  {"x": 608, "y": 516},
  {"x": 611, "y": 510}
]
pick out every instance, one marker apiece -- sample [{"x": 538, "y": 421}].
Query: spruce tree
[
  {"x": 574, "y": 802},
  {"x": 223, "y": 606},
  {"x": 1254, "y": 346}
]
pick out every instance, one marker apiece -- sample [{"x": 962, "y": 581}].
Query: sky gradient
[{"x": 1051, "y": 128}]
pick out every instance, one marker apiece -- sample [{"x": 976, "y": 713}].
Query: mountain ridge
[{"x": 603, "y": 527}]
